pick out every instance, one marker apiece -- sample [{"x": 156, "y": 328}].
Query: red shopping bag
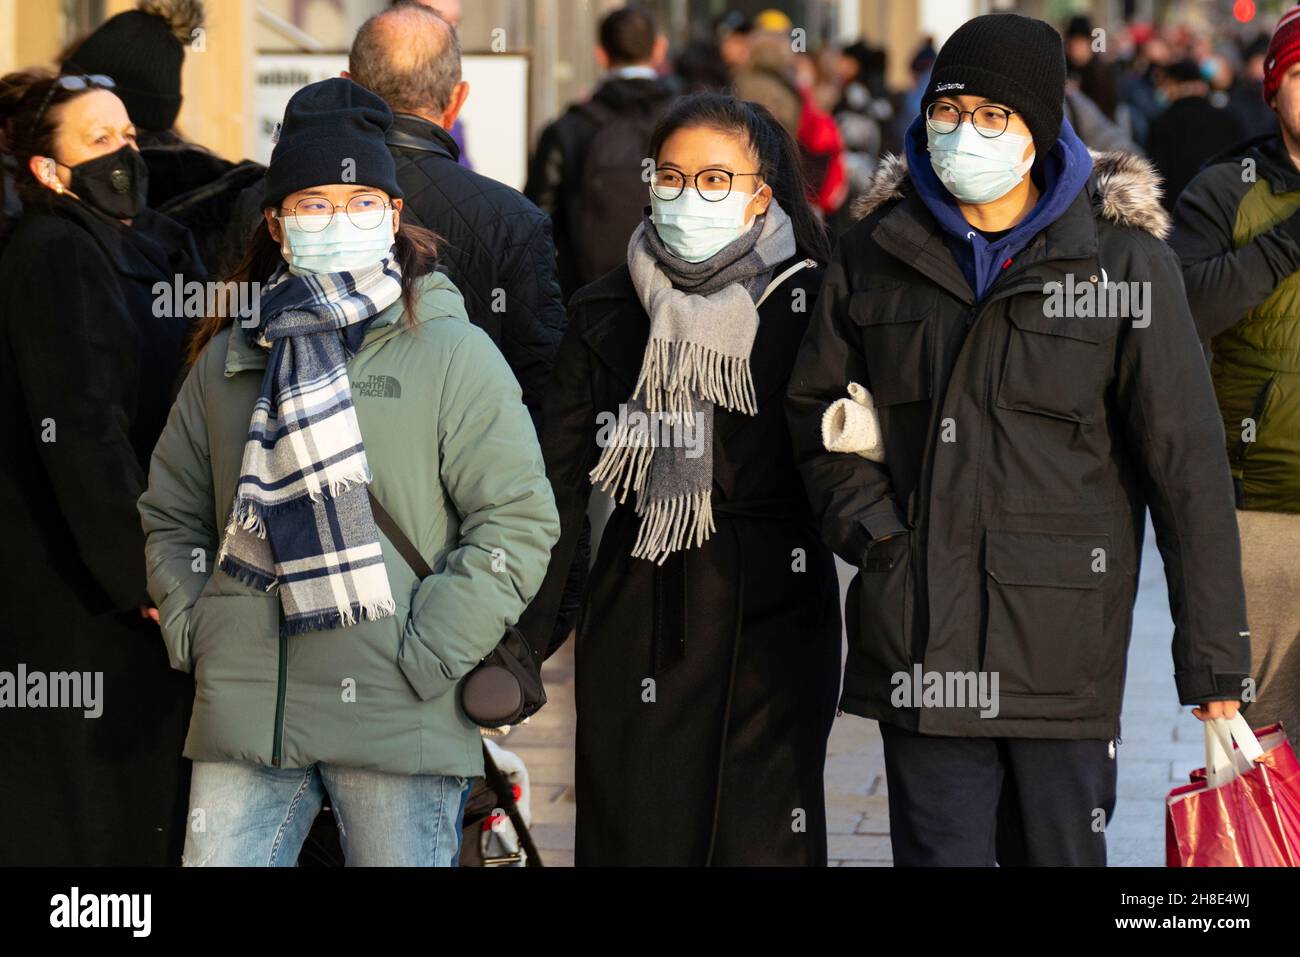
[{"x": 1243, "y": 808}]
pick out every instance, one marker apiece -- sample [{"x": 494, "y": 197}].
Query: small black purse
[{"x": 505, "y": 687}]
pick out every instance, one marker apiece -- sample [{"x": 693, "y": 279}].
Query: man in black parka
[
  {"x": 1024, "y": 333},
  {"x": 496, "y": 245}
]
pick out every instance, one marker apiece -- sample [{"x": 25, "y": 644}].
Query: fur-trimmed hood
[{"x": 1128, "y": 190}]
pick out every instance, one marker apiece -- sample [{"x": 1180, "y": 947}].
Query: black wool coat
[
  {"x": 1003, "y": 531},
  {"x": 706, "y": 686},
  {"x": 86, "y": 378}
]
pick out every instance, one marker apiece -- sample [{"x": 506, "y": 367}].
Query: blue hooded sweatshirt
[{"x": 1065, "y": 171}]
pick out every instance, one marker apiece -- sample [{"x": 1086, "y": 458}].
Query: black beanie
[
  {"x": 1012, "y": 59},
  {"x": 142, "y": 54},
  {"x": 333, "y": 132}
]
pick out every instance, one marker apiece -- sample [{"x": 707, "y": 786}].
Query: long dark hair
[
  {"x": 778, "y": 157},
  {"x": 415, "y": 249},
  {"x": 22, "y": 96}
]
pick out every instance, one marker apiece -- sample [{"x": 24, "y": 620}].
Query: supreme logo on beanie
[
  {"x": 1011, "y": 59},
  {"x": 1283, "y": 52}
]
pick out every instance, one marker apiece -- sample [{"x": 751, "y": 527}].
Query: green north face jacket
[{"x": 455, "y": 461}]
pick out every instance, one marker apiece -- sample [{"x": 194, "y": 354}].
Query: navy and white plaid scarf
[{"x": 301, "y": 518}]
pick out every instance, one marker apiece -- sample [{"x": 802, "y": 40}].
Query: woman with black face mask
[{"x": 91, "y": 716}]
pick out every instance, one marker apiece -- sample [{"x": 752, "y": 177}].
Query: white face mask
[
  {"x": 693, "y": 228},
  {"x": 975, "y": 168},
  {"x": 339, "y": 247}
]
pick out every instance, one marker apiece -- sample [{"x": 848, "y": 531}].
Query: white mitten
[{"x": 852, "y": 425}]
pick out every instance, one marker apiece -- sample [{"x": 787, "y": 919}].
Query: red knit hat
[{"x": 1283, "y": 51}]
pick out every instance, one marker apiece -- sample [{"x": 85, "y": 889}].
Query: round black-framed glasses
[
  {"x": 989, "y": 121},
  {"x": 669, "y": 183}
]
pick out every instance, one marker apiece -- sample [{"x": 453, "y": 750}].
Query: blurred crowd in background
[{"x": 1179, "y": 95}]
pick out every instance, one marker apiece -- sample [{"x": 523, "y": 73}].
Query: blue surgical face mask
[
  {"x": 975, "y": 168},
  {"x": 693, "y": 228},
  {"x": 339, "y": 247}
]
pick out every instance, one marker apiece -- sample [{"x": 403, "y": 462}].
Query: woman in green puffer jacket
[{"x": 322, "y": 664}]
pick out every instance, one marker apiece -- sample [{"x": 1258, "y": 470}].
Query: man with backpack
[{"x": 587, "y": 170}]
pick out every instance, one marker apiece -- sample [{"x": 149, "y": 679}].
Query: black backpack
[{"x": 611, "y": 193}]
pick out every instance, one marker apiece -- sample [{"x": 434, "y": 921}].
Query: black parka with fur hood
[{"x": 1024, "y": 441}]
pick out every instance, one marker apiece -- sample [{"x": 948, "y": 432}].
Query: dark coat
[
  {"x": 84, "y": 355},
  {"x": 1188, "y": 133},
  {"x": 555, "y": 170},
  {"x": 1239, "y": 242},
  {"x": 1004, "y": 531},
  {"x": 222, "y": 214},
  {"x": 740, "y": 636},
  {"x": 177, "y": 168},
  {"x": 496, "y": 247}
]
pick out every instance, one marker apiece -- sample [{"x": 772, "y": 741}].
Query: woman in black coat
[
  {"x": 88, "y": 361},
  {"x": 708, "y": 645}
]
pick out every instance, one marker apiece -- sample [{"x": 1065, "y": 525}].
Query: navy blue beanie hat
[{"x": 333, "y": 132}]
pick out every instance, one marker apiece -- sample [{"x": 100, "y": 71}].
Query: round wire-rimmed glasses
[
  {"x": 669, "y": 183},
  {"x": 314, "y": 213},
  {"x": 989, "y": 121}
]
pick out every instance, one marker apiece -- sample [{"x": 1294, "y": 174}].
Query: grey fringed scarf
[{"x": 703, "y": 321}]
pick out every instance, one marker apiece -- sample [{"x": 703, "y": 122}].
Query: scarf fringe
[
  {"x": 246, "y": 574},
  {"x": 342, "y": 484},
  {"x": 674, "y": 371},
  {"x": 343, "y": 617},
  {"x": 625, "y": 463},
  {"x": 672, "y": 524}
]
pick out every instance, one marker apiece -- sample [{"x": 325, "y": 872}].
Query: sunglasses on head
[{"x": 72, "y": 84}]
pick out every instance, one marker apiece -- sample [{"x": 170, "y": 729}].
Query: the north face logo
[{"x": 378, "y": 387}]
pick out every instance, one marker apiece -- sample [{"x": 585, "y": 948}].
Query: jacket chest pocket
[
  {"x": 1055, "y": 366},
  {"x": 893, "y": 324}
]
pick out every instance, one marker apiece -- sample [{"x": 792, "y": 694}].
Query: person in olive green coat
[
  {"x": 358, "y": 701},
  {"x": 1237, "y": 232}
]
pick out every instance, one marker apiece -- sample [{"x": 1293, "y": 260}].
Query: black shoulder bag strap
[{"x": 404, "y": 546}]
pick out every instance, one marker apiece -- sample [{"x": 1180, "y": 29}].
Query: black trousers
[{"x": 977, "y": 802}]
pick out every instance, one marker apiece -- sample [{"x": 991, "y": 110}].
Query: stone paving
[{"x": 1162, "y": 742}]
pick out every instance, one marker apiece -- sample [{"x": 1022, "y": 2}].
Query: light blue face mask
[
  {"x": 695, "y": 229},
  {"x": 339, "y": 247},
  {"x": 975, "y": 168}
]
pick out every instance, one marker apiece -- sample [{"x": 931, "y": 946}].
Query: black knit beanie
[
  {"x": 1012, "y": 59},
  {"x": 333, "y": 132},
  {"x": 143, "y": 55}
]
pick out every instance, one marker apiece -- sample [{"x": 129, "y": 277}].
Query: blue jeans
[{"x": 247, "y": 815}]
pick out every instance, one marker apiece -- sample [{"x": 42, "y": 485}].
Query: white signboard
[{"x": 495, "y": 118}]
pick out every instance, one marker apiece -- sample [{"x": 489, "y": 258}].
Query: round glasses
[
  {"x": 315, "y": 213},
  {"x": 989, "y": 121},
  {"x": 713, "y": 185}
]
